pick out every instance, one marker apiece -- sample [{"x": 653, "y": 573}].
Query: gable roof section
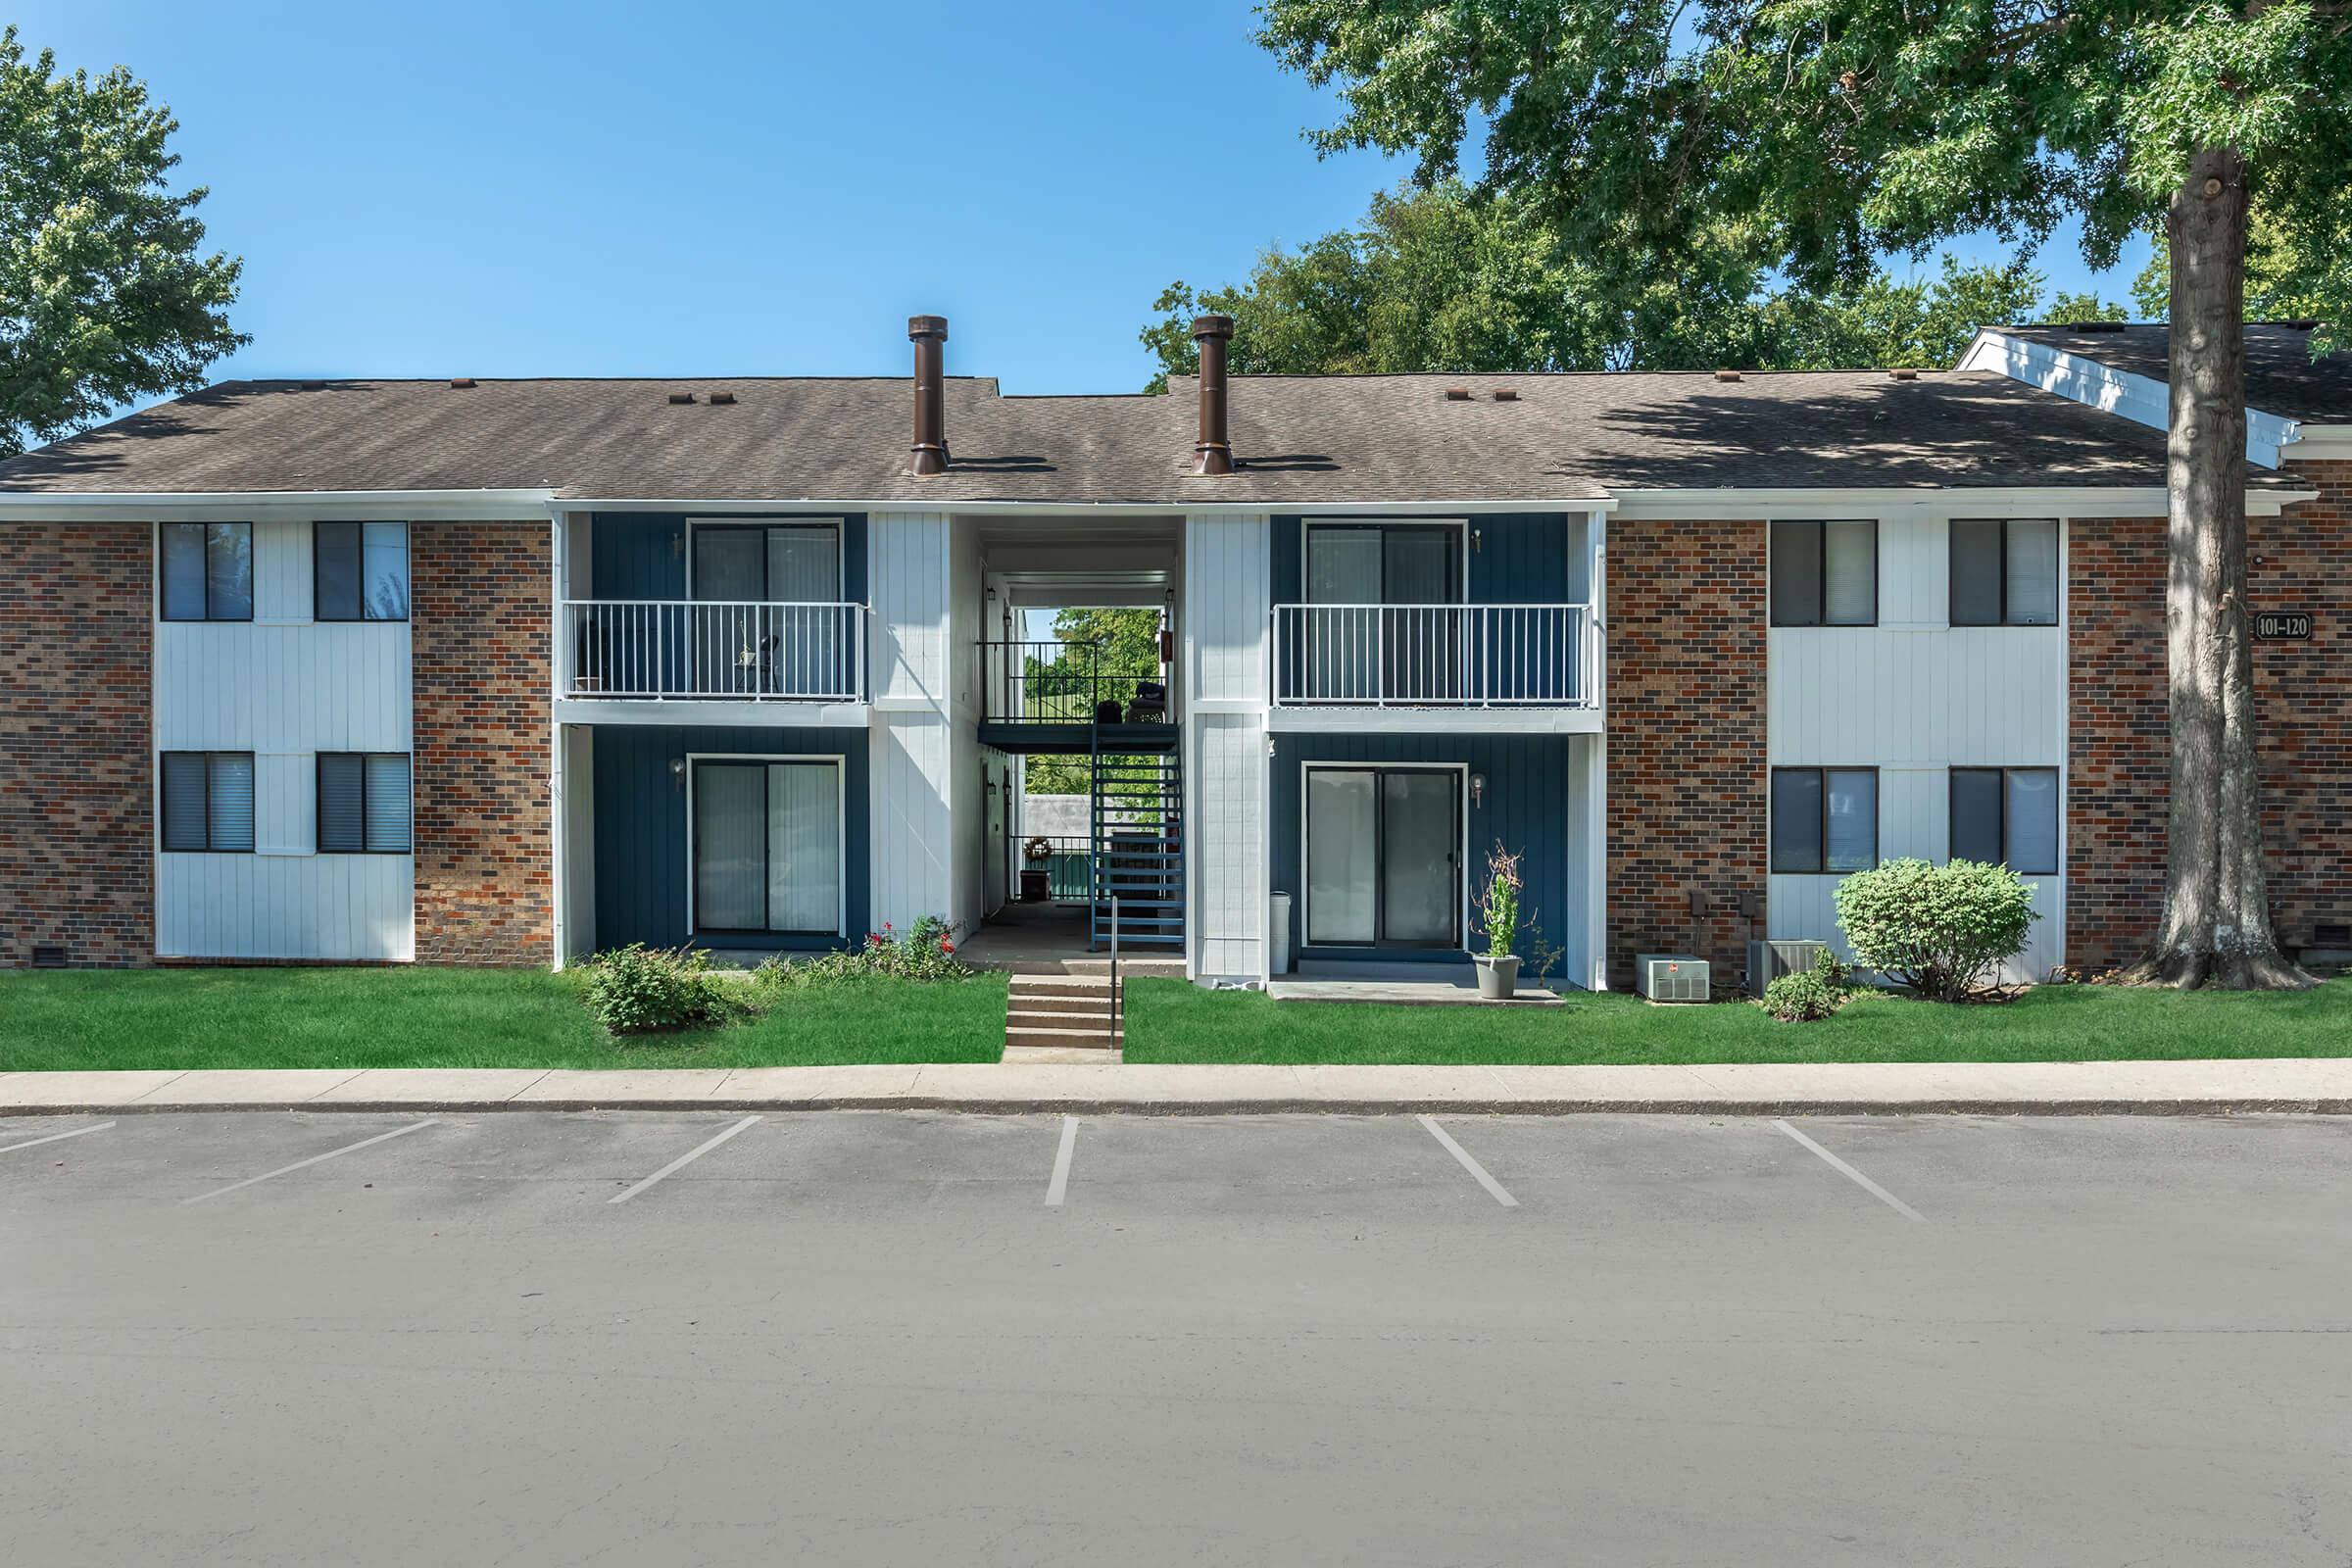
[
  {"x": 2281, "y": 377},
  {"x": 1306, "y": 441}
]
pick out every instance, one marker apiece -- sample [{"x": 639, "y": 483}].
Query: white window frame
[
  {"x": 1461, "y": 862},
  {"x": 1460, "y": 525},
  {"x": 840, "y": 833}
]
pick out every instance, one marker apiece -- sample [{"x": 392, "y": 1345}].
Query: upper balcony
[
  {"x": 1436, "y": 656},
  {"x": 701, "y": 650}
]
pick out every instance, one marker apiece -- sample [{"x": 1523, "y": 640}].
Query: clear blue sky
[{"x": 498, "y": 189}]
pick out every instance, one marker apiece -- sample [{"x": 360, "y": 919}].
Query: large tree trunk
[{"x": 2217, "y": 920}]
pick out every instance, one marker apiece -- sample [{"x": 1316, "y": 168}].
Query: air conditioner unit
[
  {"x": 1767, "y": 961},
  {"x": 1671, "y": 976}
]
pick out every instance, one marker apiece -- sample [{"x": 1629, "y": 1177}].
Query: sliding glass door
[
  {"x": 768, "y": 854},
  {"x": 1362, "y": 649},
  {"x": 1383, "y": 857},
  {"x": 770, "y": 628}
]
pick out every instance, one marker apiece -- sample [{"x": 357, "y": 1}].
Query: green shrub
[
  {"x": 925, "y": 952},
  {"x": 639, "y": 990},
  {"x": 1809, "y": 995},
  {"x": 1939, "y": 929}
]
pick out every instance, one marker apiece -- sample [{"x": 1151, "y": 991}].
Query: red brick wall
[
  {"x": 482, "y": 627},
  {"x": 2119, "y": 746},
  {"x": 1686, "y": 779},
  {"x": 76, "y": 666}
]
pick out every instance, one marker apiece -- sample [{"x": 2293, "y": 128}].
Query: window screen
[
  {"x": 208, "y": 801},
  {"x": 362, "y": 803},
  {"x": 206, "y": 570}
]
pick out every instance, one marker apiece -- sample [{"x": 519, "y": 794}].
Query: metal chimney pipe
[
  {"x": 929, "y": 334},
  {"x": 1212, "y": 453}
]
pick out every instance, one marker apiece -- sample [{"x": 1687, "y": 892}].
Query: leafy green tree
[
  {"x": 104, "y": 296},
  {"x": 1441, "y": 280},
  {"x": 1127, "y": 644},
  {"x": 1824, "y": 134}
]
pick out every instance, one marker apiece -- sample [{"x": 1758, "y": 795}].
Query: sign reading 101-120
[{"x": 2282, "y": 625}]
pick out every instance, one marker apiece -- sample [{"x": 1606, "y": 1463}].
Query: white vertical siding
[
  {"x": 908, "y": 571},
  {"x": 324, "y": 906},
  {"x": 960, "y": 675},
  {"x": 912, "y": 847},
  {"x": 1584, "y": 941},
  {"x": 284, "y": 688},
  {"x": 1227, "y": 601},
  {"x": 1915, "y": 697}
]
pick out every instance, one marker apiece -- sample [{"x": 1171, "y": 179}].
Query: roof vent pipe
[
  {"x": 1212, "y": 453},
  {"x": 929, "y": 334}
]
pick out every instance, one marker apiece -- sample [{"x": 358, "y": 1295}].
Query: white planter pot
[{"x": 1498, "y": 978}]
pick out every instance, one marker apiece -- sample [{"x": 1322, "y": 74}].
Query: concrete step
[
  {"x": 1021, "y": 1019},
  {"x": 1064, "y": 1055},
  {"x": 1084, "y": 1039},
  {"x": 1097, "y": 1005},
  {"x": 1061, "y": 985}
]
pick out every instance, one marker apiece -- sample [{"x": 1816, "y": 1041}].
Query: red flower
[{"x": 944, "y": 946}]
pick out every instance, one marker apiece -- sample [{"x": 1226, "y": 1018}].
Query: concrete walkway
[{"x": 2322, "y": 1085}]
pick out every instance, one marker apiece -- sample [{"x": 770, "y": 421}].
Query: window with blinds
[
  {"x": 364, "y": 803},
  {"x": 1825, "y": 573},
  {"x": 208, "y": 801},
  {"x": 2004, "y": 572}
]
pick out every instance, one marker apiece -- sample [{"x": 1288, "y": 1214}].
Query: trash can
[{"x": 1278, "y": 933}]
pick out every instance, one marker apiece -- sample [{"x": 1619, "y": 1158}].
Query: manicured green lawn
[
  {"x": 431, "y": 1017},
  {"x": 1169, "y": 1021}
]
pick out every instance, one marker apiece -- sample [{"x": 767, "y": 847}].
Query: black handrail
[{"x": 1054, "y": 682}]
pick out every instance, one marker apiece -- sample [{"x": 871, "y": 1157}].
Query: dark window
[
  {"x": 1825, "y": 819},
  {"x": 2006, "y": 816},
  {"x": 362, "y": 803},
  {"x": 360, "y": 570},
  {"x": 208, "y": 801},
  {"x": 2004, "y": 572},
  {"x": 1825, "y": 573},
  {"x": 206, "y": 570}
]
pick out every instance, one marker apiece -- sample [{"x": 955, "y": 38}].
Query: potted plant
[
  {"x": 1498, "y": 917},
  {"x": 1037, "y": 878}
]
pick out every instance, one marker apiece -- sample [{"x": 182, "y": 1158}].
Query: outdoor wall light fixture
[
  {"x": 677, "y": 772},
  {"x": 1478, "y": 790}
]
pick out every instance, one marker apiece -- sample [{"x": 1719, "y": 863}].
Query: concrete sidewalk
[{"x": 2021, "y": 1088}]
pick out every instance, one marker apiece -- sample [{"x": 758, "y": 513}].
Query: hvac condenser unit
[
  {"x": 1670, "y": 976},
  {"x": 1767, "y": 961}
]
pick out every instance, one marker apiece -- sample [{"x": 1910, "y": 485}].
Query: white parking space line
[
  {"x": 683, "y": 1160},
  {"x": 1857, "y": 1177},
  {"x": 1493, "y": 1187},
  {"x": 36, "y": 1143},
  {"x": 333, "y": 1153},
  {"x": 1060, "y": 1187}
]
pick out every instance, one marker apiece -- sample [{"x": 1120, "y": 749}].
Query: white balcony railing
[
  {"x": 747, "y": 651},
  {"x": 1436, "y": 656}
]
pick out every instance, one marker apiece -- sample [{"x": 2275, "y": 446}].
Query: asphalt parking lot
[{"x": 652, "y": 1338}]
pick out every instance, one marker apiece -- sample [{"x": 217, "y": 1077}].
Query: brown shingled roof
[{"x": 1307, "y": 440}]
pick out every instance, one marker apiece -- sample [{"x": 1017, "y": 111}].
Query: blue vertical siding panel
[
  {"x": 1526, "y": 809},
  {"x": 635, "y": 554},
  {"x": 641, "y": 870},
  {"x": 1520, "y": 559}
]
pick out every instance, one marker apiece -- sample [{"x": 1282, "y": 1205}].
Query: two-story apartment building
[{"x": 510, "y": 671}]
